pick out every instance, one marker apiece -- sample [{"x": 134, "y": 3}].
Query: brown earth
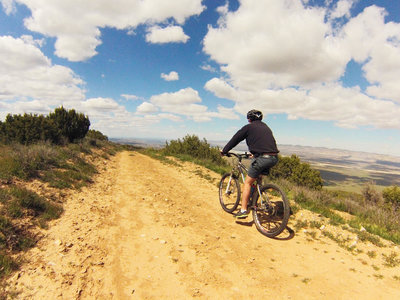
[{"x": 147, "y": 230}]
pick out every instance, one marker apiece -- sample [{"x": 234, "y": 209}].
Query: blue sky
[{"x": 325, "y": 73}]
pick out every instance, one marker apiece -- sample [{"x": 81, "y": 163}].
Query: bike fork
[{"x": 228, "y": 185}]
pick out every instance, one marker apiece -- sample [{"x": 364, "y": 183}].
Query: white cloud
[
  {"x": 275, "y": 44},
  {"x": 101, "y": 104},
  {"x": 286, "y": 58},
  {"x": 27, "y": 74},
  {"x": 130, "y": 97},
  {"x": 220, "y": 88},
  {"x": 172, "y": 76},
  {"x": 78, "y": 37},
  {"x": 8, "y": 6},
  {"x": 347, "y": 107},
  {"x": 376, "y": 45},
  {"x": 170, "y": 34},
  {"x": 28, "y": 39},
  {"x": 146, "y": 107},
  {"x": 182, "y": 102},
  {"x": 209, "y": 68},
  {"x": 170, "y": 117},
  {"x": 342, "y": 9},
  {"x": 185, "y": 102}
]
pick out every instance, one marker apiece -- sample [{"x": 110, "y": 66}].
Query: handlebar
[{"x": 238, "y": 156}]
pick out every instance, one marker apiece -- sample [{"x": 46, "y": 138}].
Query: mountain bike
[{"x": 269, "y": 204}]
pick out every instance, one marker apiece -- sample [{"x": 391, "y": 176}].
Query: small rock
[{"x": 163, "y": 242}]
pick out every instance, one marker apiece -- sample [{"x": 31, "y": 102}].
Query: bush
[
  {"x": 69, "y": 124},
  {"x": 292, "y": 169},
  {"x": 370, "y": 194},
  {"x": 57, "y": 127},
  {"x": 96, "y": 135},
  {"x": 391, "y": 195},
  {"x": 192, "y": 146}
]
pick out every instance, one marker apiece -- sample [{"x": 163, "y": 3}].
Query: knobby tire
[
  {"x": 272, "y": 216},
  {"x": 229, "y": 199}
]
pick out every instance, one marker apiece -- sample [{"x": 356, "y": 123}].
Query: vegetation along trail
[{"x": 149, "y": 230}]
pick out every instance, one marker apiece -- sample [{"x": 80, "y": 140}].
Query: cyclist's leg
[
  {"x": 258, "y": 166},
  {"x": 246, "y": 191}
]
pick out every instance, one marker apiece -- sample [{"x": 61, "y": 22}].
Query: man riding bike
[{"x": 262, "y": 145}]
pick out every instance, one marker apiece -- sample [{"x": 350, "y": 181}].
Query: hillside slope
[{"x": 145, "y": 230}]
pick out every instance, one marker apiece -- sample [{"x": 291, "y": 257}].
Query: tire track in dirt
[{"x": 146, "y": 230}]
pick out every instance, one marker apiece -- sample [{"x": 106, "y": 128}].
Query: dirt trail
[{"x": 145, "y": 230}]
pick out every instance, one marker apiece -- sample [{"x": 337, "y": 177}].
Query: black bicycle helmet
[{"x": 254, "y": 115}]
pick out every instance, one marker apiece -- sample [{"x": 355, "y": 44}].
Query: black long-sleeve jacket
[{"x": 259, "y": 139}]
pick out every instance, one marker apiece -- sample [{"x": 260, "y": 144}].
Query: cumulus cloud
[
  {"x": 342, "y": 9},
  {"x": 220, "y": 88},
  {"x": 208, "y": 68},
  {"x": 170, "y": 34},
  {"x": 170, "y": 117},
  {"x": 78, "y": 37},
  {"x": 376, "y": 45},
  {"x": 347, "y": 107},
  {"x": 27, "y": 74},
  {"x": 172, "y": 76},
  {"x": 186, "y": 102},
  {"x": 101, "y": 104},
  {"x": 130, "y": 97},
  {"x": 289, "y": 58},
  {"x": 28, "y": 39},
  {"x": 182, "y": 102},
  {"x": 8, "y": 6},
  {"x": 146, "y": 107}
]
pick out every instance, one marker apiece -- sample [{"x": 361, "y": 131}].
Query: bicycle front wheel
[
  {"x": 229, "y": 192},
  {"x": 271, "y": 212}
]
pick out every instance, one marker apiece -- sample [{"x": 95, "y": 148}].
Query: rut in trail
[{"x": 147, "y": 230}]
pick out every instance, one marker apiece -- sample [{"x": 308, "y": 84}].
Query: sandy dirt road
[{"x": 146, "y": 230}]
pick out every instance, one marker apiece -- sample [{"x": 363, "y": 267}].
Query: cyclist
[{"x": 262, "y": 145}]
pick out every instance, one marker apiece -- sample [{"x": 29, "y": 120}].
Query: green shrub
[
  {"x": 96, "y": 135},
  {"x": 392, "y": 195},
  {"x": 300, "y": 173},
  {"x": 57, "y": 127},
  {"x": 69, "y": 124},
  {"x": 192, "y": 146}
]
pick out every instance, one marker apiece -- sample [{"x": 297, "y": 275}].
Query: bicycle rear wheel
[
  {"x": 271, "y": 213},
  {"x": 229, "y": 192}
]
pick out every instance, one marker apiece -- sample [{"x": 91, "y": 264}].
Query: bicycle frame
[{"x": 243, "y": 170}]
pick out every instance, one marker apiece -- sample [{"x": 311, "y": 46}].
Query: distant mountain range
[{"x": 313, "y": 155}]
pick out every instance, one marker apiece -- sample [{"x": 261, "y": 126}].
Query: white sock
[{"x": 243, "y": 210}]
